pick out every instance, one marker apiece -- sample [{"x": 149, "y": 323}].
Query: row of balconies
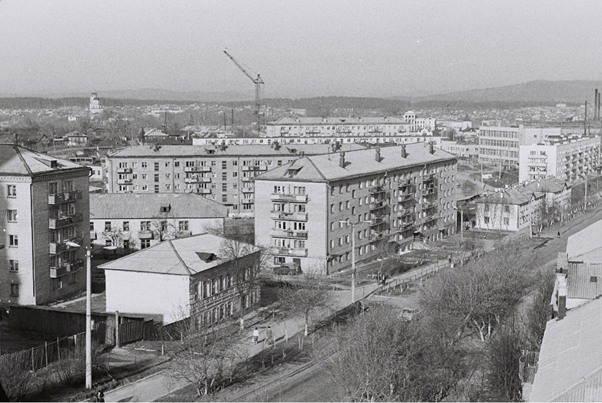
[
  {"x": 126, "y": 181},
  {"x": 55, "y": 223},
  {"x": 124, "y": 170},
  {"x": 197, "y": 179},
  {"x": 64, "y": 197},
  {"x": 66, "y": 268},
  {"x": 283, "y": 215}
]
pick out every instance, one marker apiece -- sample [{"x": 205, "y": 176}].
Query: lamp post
[
  {"x": 461, "y": 234},
  {"x": 352, "y": 259},
  {"x": 88, "y": 320}
]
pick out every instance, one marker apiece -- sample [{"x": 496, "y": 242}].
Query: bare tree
[
  {"x": 114, "y": 235},
  {"x": 381, "y": 357},
  {"x": 164, "y": 229},
  {"x": 207, "y": 360},
  {"x": 306, "y": 296}
]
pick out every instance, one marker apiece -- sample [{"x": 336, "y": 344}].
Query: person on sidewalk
[
  {"x": 255, "y": 335},
  {"x": 269, "y": 335}
]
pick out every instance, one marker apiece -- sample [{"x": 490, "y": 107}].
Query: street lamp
[{"x": 352, "y": 258}]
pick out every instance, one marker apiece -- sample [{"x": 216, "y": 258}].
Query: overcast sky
[{"x": 301, "y": 48}]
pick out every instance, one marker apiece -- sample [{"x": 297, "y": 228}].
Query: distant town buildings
[
  {"x": 138, "y": 221},
  {"x": 312, "y": 210},
  {"x": 44, "y": 229},
  {"x": 222, "y": 173},
  {"x": 95, "y": 107},
  {"x": 184, "y": 278},
  {"x": 468, "y": 151},
  {"x": 372, "y": 140},
  {"x": 567, "y": 160}
]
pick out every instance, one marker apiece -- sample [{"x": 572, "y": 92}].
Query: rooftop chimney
[
  {"x": 342, "y": 159},
  {"x": 431, "y": 148},
  {"x": 404, "y": 154},
  {"x": 561, "y": 289},
  {"x": 377, "y": 154}
]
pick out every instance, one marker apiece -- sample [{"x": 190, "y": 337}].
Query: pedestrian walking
[
  {"x": 558, "y": 234},
  {"x": 269, "y": 335},
  {"x": 255, "y": 336},
  {"x": 100, "y": 397}
]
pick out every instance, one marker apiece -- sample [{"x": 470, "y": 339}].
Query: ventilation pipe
[
  {"x": 404, "y": 153},
  {"x": 377, "y": 154},
  {"x": 342, "y": 159}
]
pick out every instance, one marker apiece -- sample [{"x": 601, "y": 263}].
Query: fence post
[
  {"x": 58, "y": 348},
  {"x": 33, "y": 364},
  {"x": 46, "y": 351}
]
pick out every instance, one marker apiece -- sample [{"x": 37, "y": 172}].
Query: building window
[
  {"x": 145, "y": 225},
  {"x": 506, "y": 209},
  {"x": 13, "y": 241},
  {"x": 144, "y": 243},
  {"x": 225, "y": 187},
  {"x": 224, "y": 198},
  {"x": 156, "y": 166},
  {"x": 506, "y": 221},
  {"x": 14, "y": 265},
  {"x": 156, "y": 188},
  {"x": 486, "y": 219},
  {"x": 11, "y": 215},
  {"x": 14, "y": 290},
  {"x": 126, "y": 244},
  {"x": 144, "y": 164},
  {"x": 487, "y": 208},
  {"x": 126, "y": 225},
  {"x": 183, "y": 225},
  {"x": 156, "y": 177},
  {"x": 107, "y": 226},
  {"x": 224, "y": 164},
  {"x": 11, "y": 190}
]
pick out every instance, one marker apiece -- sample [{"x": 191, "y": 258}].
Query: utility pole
[{"x": 88, "y": 319}]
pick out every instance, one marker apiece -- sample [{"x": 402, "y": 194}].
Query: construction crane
[{"x": 258, "y": 81}]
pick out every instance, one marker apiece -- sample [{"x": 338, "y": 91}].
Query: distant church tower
[{"x": 94, "y": 104}]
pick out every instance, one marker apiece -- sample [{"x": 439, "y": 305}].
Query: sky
[{"x": 301, "y": 48}]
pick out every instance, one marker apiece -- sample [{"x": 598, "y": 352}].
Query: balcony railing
[
  {"x": 248, "y": 189},
  {"x": 297, "y": 252},
  {"x": 66, "y": 268},
  {"x": 375, "y": 205},
  {"x": 58, "y": 247},
  {"x": 406, "y": 197},
  {"x": 289, "y": 198},
  {"x": 255, "y": 168},
  {"x": 54, "y": 223},
  {"x": 197, "y": 169},
  {"x": 282, "y": 215},
  {"x": 64, "y": 197},
  {"x": 124, "y": 170},
  {"x": 375, "y": 189},
  {"x": 124, "y": 181},
  {"x": 203, "y": 191}
]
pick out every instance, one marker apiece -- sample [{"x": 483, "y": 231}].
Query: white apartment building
[
  {"x": 568, "y": 160},
  {"x": 349, "y": 126},
  {"x": 311, "y": 211},
  {"x": 342, "y": 140}
]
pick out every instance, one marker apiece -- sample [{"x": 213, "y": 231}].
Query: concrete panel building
[
  {"x": 308, "y": 210},
  {"x": 43, "y": 227}
]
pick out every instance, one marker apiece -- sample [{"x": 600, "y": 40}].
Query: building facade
[
  {"x": 184, "y": 278},
  {"x": 565, "y": 160},
  {"x": 372, "y": 140},
  {"x": 139, "y": 221},
  {"x": 43, "y": 228},
  {"x": 349, "y": 126},
  {"x": 312, "y": 210},
  {"x": 509, "y": 210},
  {"x": 95, "y": 107},
  {"x": 221, "y": 173}
]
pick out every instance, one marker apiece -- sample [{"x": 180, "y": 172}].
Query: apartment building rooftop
[
  {"x": 230, "y": 150},
  {"x": 322, "y": 168},
  {"x": 153, "y": 205},
  {"x": 508, "y": 196},
  {"x": 586, "y": 244},
  {"x": 338, "y": 121},
  {"x": 183, "y": 257},
  {"x": 19, "y": 161},
  {"x": 548, "y": 185}
]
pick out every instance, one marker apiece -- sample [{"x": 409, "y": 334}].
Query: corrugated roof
[
  {"x": 15, "y": 160},
  {"x": 579, "y": 280},
  {"x": 321, "y": 168},
  {"x": 586, "y": 245},
  {"x": 142, "y": 205},
  {"x": 175, "y": 257},
  {"x": 248, "y": 151},
  {"x": 570, "y": 360}
]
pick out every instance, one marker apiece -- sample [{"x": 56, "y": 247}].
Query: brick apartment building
[
  {"x": 222, "y": 173},
  {"x": 43, "y": 227},
  {"x": 390, "y": 196}
]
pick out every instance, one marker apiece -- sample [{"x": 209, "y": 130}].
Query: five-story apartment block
[
  {"x": 43, "y": 228},
  {"x": 224, "y": 174},
  {"x": 312, "y": 210}
]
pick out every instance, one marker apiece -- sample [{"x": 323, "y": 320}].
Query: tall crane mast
[{"x": 258, "y": 81}]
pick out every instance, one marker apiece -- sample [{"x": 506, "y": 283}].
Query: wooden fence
[{"x": 135, "y": 330}]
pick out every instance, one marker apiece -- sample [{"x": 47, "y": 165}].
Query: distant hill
[
  {"x": 155, "y": 94},
  {"x": 575, "y": 91}
]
